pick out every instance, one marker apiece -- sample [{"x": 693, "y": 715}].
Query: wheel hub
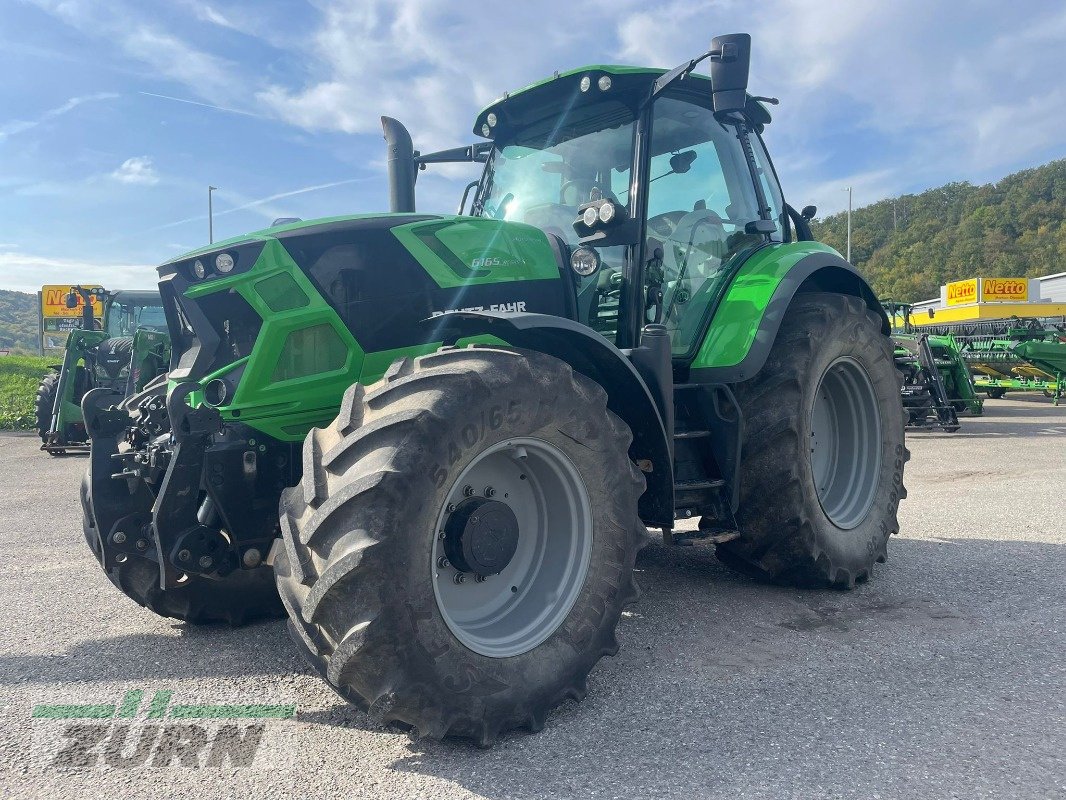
[{"x": 481, "y": 536}]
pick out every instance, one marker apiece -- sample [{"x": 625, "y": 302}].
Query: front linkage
[{"x": 194, "y": 495}]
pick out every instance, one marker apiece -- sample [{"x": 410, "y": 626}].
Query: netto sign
[
  {"x": 960, "y": 293},
  {"x": 987, "y": 290},
  {"x": 999, "y": 289}
]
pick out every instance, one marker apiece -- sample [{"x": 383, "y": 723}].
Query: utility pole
[
  {"x": 210, "y": 216},
  {"x": 848, "y": 190}
]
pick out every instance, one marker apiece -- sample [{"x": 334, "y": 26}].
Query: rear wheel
[
  {"x": 822, "y": 471},
  {"x": 241, "y": 597},
  {"x": 461, "y": 547}
]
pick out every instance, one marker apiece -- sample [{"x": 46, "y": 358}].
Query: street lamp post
[
  {"x": 210, "y": 216},
  {"x": 848, "y": 190}
]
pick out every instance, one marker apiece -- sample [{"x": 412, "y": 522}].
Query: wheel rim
[
  {"x": 513, "y": 611},
  {"x": 845, "y": 443}
]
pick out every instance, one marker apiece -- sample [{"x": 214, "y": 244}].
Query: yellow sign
[
  {"x": 1004, "y": 290},
  {"x": 960, "y": 293},
  {"x": 54, "y": 302}
]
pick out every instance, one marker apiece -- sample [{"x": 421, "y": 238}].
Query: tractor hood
[{"x": 326, "y": 302}]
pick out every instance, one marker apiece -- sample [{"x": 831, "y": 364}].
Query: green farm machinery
[
  {"x": 1012, "y": 355},
  {"x": 936, "y": 380},
  {"x": 123, "y": 354},
  {"x": 436, "y": 442}
]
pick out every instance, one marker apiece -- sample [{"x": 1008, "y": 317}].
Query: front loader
[
  {"x": 122, "y": 354},
  {"x": 439, "y": 440}
]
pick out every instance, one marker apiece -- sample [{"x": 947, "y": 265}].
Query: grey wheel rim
[
  {"x": 845, "y": 443},
  {"x": 511, "y": 612}
]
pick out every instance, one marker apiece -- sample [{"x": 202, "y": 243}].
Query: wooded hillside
[{"x": 1013, "y": 228}]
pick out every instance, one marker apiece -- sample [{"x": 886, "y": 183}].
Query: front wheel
[
  {"x": 461, "y": 547},
  {"x": 44, "y": 404},
  {"x": 822, "y": 470},
  {"x": 243, "y": 596}
]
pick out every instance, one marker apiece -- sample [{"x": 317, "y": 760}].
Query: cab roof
[{"x": 516, "y": 107}]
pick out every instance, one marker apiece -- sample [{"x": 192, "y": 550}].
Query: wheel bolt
[
  {"x": 184, "y": 555},
  {"x": 252, "y": 558},
  {"x": 479, "y": 578},
  {"x": 451, "y": 507},
  {"x": 142, "y": 544},
  {"x": 459, "y": 577},
  {"x": 490, "y": 492},
  {"x": 119, "y": 537},
  {"x": 443, "y": 563},
  {"x": 206, "y": 561},
  {"x": 468, "y": 491},
  {"x": 442, "y": 535}
]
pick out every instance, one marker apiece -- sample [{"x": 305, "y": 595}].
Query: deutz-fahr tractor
[
  {"x": 129, "y": 349},
  {"x": 470, "y": 421}
]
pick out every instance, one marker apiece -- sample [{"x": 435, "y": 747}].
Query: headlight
[
  {"x": 606, "y": 212},
  {"x": 589, "y": 216},
  {"x": 584, "y": 261},
  {"x": 224, "y": 262},
  {"x": 198, "y": 268},
  {"x": 486, "y": 130},
  {"x": 586, "y": 83},
  {"x": 491, "y": 119},
  {"x": 604, "y": 82}
]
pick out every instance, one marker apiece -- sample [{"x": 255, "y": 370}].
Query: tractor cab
[
  {"x": 657, "y": 196},
  {"x": 129, "y": 311}
]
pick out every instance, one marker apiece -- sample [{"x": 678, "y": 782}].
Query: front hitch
[{"x": 184, "y": 543}]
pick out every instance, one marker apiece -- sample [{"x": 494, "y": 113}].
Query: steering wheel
[
  {"x": 681, "y": 239},
  {"x": 663, "y": 225},
  {"x": 680, "y": 272}
]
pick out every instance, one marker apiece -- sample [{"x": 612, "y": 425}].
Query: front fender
[
  {"x": 746, "y": 322},
  {"x": 587, "y": 352}
]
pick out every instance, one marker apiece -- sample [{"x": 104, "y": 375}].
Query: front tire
[
  {"x": 243, "y": 596},
  {"x": 822, "y": 471},
  {"x": 44, "y": 404},
  {"x": 396, "y": 491}
]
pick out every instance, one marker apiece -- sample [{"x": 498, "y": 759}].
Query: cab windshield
[
  {"x": 542, "y": 174},
  {"x": 124, "y": 320}
]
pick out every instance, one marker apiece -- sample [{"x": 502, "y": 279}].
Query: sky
[{"x": 116, "y": 115}]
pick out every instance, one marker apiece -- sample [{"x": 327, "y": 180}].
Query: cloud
[
  {"x": 137, "y": 170},
  {"x": 26, "y": 272},
  {"x": 123, "y": 28},
  {"x": 21, "y": 126}
]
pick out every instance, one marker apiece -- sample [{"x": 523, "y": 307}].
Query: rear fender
[
  {"x": 628, "y": 396},
  {"x": 746, "y": 321}
]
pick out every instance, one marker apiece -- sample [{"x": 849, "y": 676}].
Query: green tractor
[
  {"x": 130, "y": 348},
  {"x": 441, "y": 438}
]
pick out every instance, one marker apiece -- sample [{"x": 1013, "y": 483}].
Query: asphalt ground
[{"x": 942, "y": 678}]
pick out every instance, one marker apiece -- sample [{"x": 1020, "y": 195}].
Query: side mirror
[
  {"x": 808, "y": 212},
  {"x": 71, "y": 300},
  {"x": 730, "y": 58}
]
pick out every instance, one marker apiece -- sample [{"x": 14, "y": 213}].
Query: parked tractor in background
[
  {"x": 123, "y": 354},
  {"x": 936, "y": 380},
  {"x": 442, "y": 437}
]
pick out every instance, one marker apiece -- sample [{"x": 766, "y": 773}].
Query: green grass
[{"x": 19, "y": 377}]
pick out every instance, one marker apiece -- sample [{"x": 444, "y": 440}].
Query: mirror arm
[{"x": 664, "y": 81}]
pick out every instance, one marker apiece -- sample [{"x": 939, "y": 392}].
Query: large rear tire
[
  {"x": 242, "y": 596},
  {"x": 479, "y": 460},
  {"x": 823, "y": 456}
]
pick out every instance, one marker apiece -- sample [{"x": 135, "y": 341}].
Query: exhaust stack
[{"x": 400, "y": 158}]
